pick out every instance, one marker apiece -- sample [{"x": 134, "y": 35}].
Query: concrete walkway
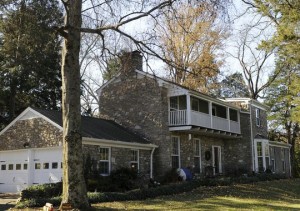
[{"x": 8, "y": 201}]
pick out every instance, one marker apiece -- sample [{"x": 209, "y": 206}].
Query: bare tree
[{"x": 256, "y": 64}]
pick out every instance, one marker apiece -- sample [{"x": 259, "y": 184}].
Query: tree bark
[{"x": 74, "y": 187}]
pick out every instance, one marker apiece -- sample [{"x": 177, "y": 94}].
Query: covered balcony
[{"x": 203, "y": 114}]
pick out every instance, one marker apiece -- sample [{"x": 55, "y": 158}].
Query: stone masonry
[{"x": 33, "y": 133}]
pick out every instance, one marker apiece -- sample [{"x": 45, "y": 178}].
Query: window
[
  {"x": 18, "y": 166},
  {"x": 257, "y": 117},
  {"x": 134, "y": 160},
  {"x": 45, "y": 165},
  {"x": 262, "y": 156},
  {"x": 25, "y": 166},
  {"x": 37, "y": 166},
  {"x": 54, "y": 165},
  {"x": 272, "y": 157},
  {"x": 219, "y": 111},
  {"x": 283, "y": 160},
  {"x": 104, "y": 166},
  {"x": 178, "y": 102},
  {"x": 175, "y": 155},
  {"x": 197, "y": 155},
  {"x": 199, "y": 105},
  {"x": 3, "y": 167},
  {"x": 233, "y": 115},
  {"x": 10, "y": 166}
]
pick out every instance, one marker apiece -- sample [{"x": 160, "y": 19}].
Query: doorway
[{"x": 216, "y": 159}]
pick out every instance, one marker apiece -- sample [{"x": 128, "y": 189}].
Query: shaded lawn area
[{"x": 273, "y": 195}]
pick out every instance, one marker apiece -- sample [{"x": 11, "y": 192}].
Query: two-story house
[
  {"x": 157, "y": 125},
  {"x": 191, "y": 129}
]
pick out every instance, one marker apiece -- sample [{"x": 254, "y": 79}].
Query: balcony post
[
  {"x": 210, "y": 113},
  {"x": 188, "y": 109},
  {"x": 228, "y": 118}
]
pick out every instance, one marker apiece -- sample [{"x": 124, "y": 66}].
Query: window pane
[
  {"x": 233, "y": 115},
  {"x": 260, "y": 164},
  {"x": 197, "y": 164},
  {"x": 175, "y": 145},
  {"x": 203, "y": 106},
  {"x": 134, "y": 155},
  {"x": 46, "y": 166},
  {"x": 267, "y": 153},
  {"x": 25, "y": 165},
  {"x": 273, "y": 165},
  {"x": 195, "y": 104},
  {"x": 10, "y": 166},
  {"x": 37, "y": 166},
  {"x": 219, "y": 111},
  {"x": 259, "y": 149},
  {"x": 197, "y": 147},
  {"x": 175, "y": 162},
  {"x": 54, "y": 165},
  {"x": 182, "y": 102},
  {"x": 3, "y": 167},
  {"x": 173, "y": 103},
  {"x": 18, "y": 166},
  {"x": 104, "y": 167},
  {"x": 104, "y": 153}
]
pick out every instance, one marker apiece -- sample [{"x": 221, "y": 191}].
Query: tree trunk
[{"x": 74, "y": 187}]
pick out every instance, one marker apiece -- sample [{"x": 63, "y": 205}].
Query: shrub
[
  {"x": 42, "y": 191},
  {"x": 37, "y": 196}
]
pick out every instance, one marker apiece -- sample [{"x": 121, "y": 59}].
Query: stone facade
[
  {"x": 120, "y": 157},
  {"x": 38, "y": 133},
  {"x": 238, "y": 152},
  {"x": 141, "y": 105},
  {"x": 32, "y": 133}
]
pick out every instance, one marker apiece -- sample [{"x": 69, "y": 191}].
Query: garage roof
[{"x": 98, "y": 128}]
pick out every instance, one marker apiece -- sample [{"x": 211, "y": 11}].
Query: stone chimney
[{"x": 131, "y": 61}]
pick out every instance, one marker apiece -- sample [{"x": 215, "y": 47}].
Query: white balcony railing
[
  {"x": 177, "y": 117},
  {"x": 180, "y": 118}
]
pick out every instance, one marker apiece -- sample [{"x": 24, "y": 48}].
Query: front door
[{"x": 216, "y": 159}]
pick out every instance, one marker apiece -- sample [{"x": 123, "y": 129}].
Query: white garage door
[{"x": 22, "y": 168}]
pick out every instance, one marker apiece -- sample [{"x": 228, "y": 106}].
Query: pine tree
[{"x": 30, "y": 57}]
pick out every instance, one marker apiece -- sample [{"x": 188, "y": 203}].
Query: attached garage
[
  {"x": 31, "y": 148},
  {"x": 22, "y": 168}
]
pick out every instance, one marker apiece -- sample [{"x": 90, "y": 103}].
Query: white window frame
[
  {"x": 220, "y": 159},
  {"x": 272, "y": 159},
  {"x": 135, "y": 161},
  {"x": 257, "y": 117},
  {"x": 177, "y": 138},
  {"x": 264, "y": 145},
  {"x": 283, "y": 163},
  {"x": 198, "y": 154},
  {"x": 109, "y": 160}
]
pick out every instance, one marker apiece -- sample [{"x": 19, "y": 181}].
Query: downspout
[
  {"x": 252, "y": 140},
  {"x": 290, "y": 161},
  {"x": 151, "y": 162}
]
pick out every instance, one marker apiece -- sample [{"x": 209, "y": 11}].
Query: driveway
[{"x": 8, "y": 200}]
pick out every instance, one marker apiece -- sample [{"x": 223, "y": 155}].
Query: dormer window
[{"x": 257, "y": 117}]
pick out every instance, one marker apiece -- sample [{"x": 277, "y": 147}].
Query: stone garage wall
[{"x": 35, "y": 133}]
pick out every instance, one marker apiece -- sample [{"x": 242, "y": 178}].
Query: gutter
[
  {"x": 151, "y": 162},
  {"x": 120, "y": 144},
  {"x": 252, "y": 140}
]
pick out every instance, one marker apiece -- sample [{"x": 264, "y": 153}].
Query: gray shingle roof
[{"x": 98, "y": 128}]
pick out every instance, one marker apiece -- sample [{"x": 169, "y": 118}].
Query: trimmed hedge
[{"x": 34, "y": 196}]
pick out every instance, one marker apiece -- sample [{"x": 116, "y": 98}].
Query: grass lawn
[{"x": 274, "y": 195}]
